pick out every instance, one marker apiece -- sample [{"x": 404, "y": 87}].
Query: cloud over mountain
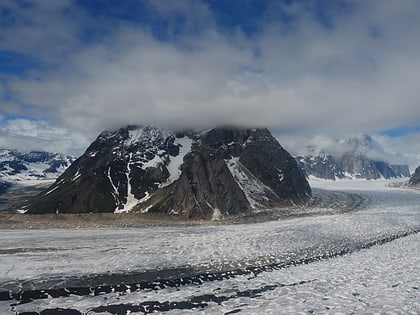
[{"x": 297, "y": 67}]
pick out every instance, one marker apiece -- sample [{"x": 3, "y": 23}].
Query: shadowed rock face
[
  {"x": 415, "y": 178},
  {"x": 194, "y": 175}
]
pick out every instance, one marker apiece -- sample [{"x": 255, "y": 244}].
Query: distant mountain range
[
  {"x": 190, "y": 174},
  {"x": 357, "y": 158},
  {"x": 186, "y": 174},
  {"x": 30, "y": 168}
]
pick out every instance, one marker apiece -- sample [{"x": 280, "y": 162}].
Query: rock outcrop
[
  {"x": 415, "y": 178},
  {"x": 190, "y": 174}
]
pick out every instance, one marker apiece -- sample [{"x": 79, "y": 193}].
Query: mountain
[
  {"x": 415, "y": 178},
  {"x": 321, "y": 166},
  {"x": 189, "y": 174},
  {"x": 30, "y": 168},
  {"x": 358, "y": 158}
]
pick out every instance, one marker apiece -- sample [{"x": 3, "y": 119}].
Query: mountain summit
[{"x": 189, "y": 174}]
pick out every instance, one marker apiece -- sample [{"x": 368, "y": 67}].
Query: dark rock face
[
  {"x": 401, "y": 170},
  {"x": 321, "y": 166},
  {"x": 194, "y": 175},
  {"x": 350, "y": 166},
  {"x": 415, "y": 178}
]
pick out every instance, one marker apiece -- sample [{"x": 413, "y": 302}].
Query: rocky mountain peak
[{"x": 190, "y": 174}]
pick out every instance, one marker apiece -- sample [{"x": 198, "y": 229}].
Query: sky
[{"x": 312, "y": 71}]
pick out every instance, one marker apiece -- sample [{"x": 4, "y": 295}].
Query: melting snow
[
  {"x": 115, "y": 192},
  {"x": 145, "y": 198},
  {"x": 131, "y": 200},
  {"x": 76, "y": 176},
  {"x": 51, "y": 190},
  {"x": 175, "y": 162}
]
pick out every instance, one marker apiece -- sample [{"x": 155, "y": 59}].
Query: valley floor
[{"x": 346, "y": 262}]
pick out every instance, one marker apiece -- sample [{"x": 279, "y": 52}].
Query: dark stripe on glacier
[{"x": 159, "y": 279}]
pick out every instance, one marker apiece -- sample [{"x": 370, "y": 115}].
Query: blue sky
[{"x": 306, "y": 69}]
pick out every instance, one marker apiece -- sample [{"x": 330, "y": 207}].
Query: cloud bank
[{"x": 301, "y": 68}]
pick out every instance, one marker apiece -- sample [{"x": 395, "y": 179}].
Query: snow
[
  {"x": 382, "y": 279},
  {"x": 22, "y": 211},
  {"x": 131, "y": 200},
  {"x": 115, "y": 192},
  {"x": 35, "y": 172},
  {"x": 76, "y": 176},
  {"x": 93, "y": 154},
  {"x": 51, "y": 190},
  {"x": 153, "y": 162},
  {"x": 280, "y": 174},
  {"x": 217, "y": 215},
  {"x": 32, "y": 176},
  {"x": 175, "y": 162},
  {"x": 254, "y": 189},
  {"x": 146, "y": 135},
  {"x": 355, "y": 184}
]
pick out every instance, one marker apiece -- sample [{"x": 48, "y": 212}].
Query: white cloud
[
  {"x": 359, "y": 75},
  {"x": 26, "y": 134}
]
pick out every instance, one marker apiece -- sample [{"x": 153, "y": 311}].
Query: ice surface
[
  {"x": 380, "y": 279},
  {"x": 355, "y": 184}
]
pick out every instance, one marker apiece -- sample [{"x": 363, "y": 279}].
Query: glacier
[{"x": 359, "y": 262}]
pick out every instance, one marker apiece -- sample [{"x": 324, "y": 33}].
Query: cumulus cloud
[{"x": 351, "y": 68}]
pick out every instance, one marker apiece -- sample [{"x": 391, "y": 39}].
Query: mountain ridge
[
  {"x": 193, "y": 174},
  {"x": 358, "y": 158},
  {"x": 27, "y": 168}
]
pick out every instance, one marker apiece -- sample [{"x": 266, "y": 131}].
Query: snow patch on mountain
[
  {"x": 131, "y": 200},
  {"x": 155, "y": 162},
  {"x": 175, "y": 162},
  {"x": 255, "y": 191}
]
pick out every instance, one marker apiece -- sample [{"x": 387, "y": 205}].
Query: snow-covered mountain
[
  {"x": 30, "y": 168},
  {"x": 354, "y": 158},
  {"x": 189, "y": 174}
]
